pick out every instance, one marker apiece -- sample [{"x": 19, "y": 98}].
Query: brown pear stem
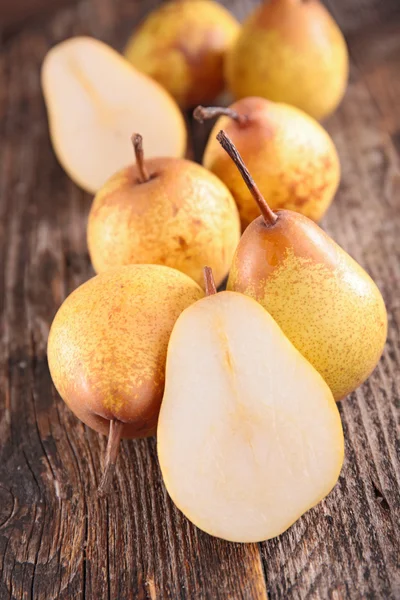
[
  {"x": 137, "y": 142},
  {"x": 114, "y": 438},
  {"x": 209, "y": 281},
  {"x": 202, "y": 113},
  {"x": 269, "y": 216}
]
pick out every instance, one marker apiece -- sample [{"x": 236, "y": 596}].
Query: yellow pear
[
  {"x": 182, "y": 45},
  {"x": 291, "y": 156},
  {"x": 290, "y": 51},
  {"x": 325, "y": 303},
  {"x": 93, "y": 97},
  {"x": 249, "y": 436},
  {"x": 166, "y": 211},
  {"x": 107, "y": 349}
]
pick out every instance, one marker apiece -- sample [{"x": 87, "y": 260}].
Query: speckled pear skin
[
  {"x": 325, "y": 303},
  {"x": 108, "y": 343},
  {"x": 292, "y": 158},
  {"x": 290, "y": 51},
  {"x": 183, "y": 217},
  {"x": 182, "y": 45}
]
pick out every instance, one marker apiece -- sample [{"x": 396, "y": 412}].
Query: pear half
[
  {"x": 249, "y": 435},
  {"x": 95, "y": 99}
]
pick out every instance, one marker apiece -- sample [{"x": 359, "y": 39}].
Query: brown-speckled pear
[
  {"x": 164, "y": 211},
  {"x": 290, "y": 155},
  {"x": 107, "y": 348},
  {"x": 325, "y": 303},
  {"x": 290, "y": 51},
  {"x": 182, "y": 45}
]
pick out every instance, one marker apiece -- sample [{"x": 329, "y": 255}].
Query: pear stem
[
  {"x": 270, "y": 217},
  {"x": 137, "y": 142},
  {"x": 202, "y": 113},
  {"x": 209, "y": 281},
  {"x": 114, "y": 438}
]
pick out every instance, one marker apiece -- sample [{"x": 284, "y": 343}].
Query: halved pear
[
  {"x": 95, "y": 99},
  {"x": 249, "y": 435}
]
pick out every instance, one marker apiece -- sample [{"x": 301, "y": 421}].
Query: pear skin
[
  {"x": 290, "y": 155},
  {"x": 322, "y": 299},
  {"x": 182, "y": 45},
  {"x": 108, "y": 343},
  {"x": 176, "y": 213},
  {"x": 290, "y": 51},
  {"x": 94, "y": 97}
]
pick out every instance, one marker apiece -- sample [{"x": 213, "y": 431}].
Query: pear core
[
  {"x": 249, "y": 435},
  {"x": 95, "y": 99}
]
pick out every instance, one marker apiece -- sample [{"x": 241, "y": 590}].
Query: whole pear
[
  {"x": 107, "y": 348},
  {"x": 290, "y": 51},
  {"x": 325, "y": 303},
  {"x": 164, "y": 211},
  {"x": 292, "y": 157},
  {"x": 182, "y": 45}
]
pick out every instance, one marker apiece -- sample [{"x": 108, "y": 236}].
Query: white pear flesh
[
  {"x": 95, "y": 101},
  {"x": 249, "y": 435}
]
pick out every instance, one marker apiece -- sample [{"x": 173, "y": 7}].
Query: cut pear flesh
[
  {"x": 95, "y": 101},
  {"x": 249, "y": 435}
]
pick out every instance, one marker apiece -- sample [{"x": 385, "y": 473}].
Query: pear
[
  {"x": 326, "y": 304},
  {"x": 291, "y": 156},
  {"x": 290, "y": 51},
  {"x": 249, "y": 436},
  {"x": 167, "y": 211},
  {"x": 93, "y": 96},
  {"x": 107, "y": 349},
  {"x": 182, "y": 45}
]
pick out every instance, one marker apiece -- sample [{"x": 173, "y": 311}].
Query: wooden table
[{"x": 57, "y": 538}]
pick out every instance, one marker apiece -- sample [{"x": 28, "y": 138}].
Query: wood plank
[
  {"x": 19, "y": 12},
  {"x": 376, "y": 53},
  {"x": 358, "y": 15},
  {"x": 348, "y": 546},
  {"x": 57, "y": 538}
]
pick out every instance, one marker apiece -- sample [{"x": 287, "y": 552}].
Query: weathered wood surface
[{"x": 57, "y": 538}]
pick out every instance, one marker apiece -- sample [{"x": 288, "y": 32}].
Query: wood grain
[
  {"x": 360, "y": 15},
  {"x": 57, "y": 538}
]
